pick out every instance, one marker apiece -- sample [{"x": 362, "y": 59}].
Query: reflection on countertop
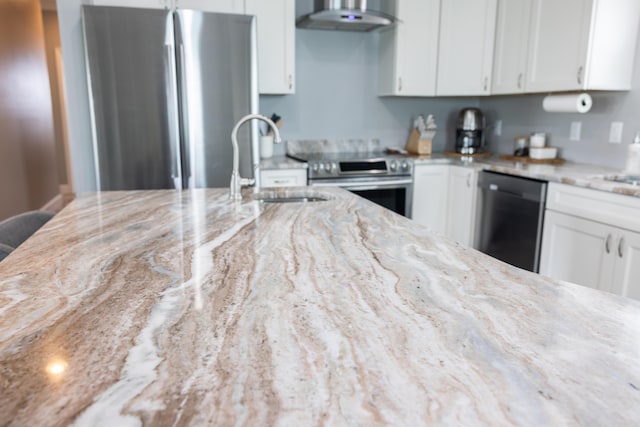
[{"x": 181, "y": 307}]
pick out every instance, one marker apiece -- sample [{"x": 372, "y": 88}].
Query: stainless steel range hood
[{"x": 349, "y": 15}]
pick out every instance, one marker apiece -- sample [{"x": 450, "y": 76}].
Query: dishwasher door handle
[{"x": 496, "y": 188}]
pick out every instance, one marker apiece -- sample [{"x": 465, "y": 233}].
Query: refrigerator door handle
[
  {"x": 186, "y": 140},
  {"x": 174, "y": 135}
]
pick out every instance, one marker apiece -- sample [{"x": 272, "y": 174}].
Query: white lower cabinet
[
  {"x": 582, "y": 245},
  {"x": 444, "y": 199},
  {"x": 461, "y": 206},
  {"x": 283, "y": 177},
  {"x": 430, "y": 187},
  {"x": 577, "y": 250}
]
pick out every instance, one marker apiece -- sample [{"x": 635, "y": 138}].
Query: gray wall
[
  {"x": 336, "y": 95},
  {"x": 522, "y": 115}
]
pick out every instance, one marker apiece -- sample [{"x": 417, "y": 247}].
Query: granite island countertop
[{"x": 182, "y": 308}]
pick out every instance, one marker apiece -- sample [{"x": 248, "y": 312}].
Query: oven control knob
[
  {"x": 334, "y": 167},
  {"x": 327, "y": 167},
  {"x": 393, "y": 166},
  {"x": 405, "y": 165},
  {"x": 314, "y": 167}
]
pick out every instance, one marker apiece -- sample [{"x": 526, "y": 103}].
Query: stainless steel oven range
[{"x": 381, "y": 178}]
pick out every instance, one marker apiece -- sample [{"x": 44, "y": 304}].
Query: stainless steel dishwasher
[{"x": 510, "y": 221}]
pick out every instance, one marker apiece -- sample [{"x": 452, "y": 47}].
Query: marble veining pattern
[{"x": 181, "y": 308}]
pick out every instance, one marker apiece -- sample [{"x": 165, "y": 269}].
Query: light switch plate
[
  {"x": 615, "y": 133},
  {"x": 576, "y": 130}
]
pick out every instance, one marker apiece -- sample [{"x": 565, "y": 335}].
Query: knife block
[{"x": 415, "y": 145}]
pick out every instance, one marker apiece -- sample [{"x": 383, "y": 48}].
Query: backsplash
[{"x": 336, "y": 96}]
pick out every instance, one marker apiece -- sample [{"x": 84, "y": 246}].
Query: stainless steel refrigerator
[{"x": 166, "y": 88}]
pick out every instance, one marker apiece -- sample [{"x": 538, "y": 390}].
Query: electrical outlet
[
  {"x": 615, "y": 133},
  {"x": 498, "y": 128},
  {"x": 576, "y": 130}
]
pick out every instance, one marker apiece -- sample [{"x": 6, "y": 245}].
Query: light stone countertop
[
  {"x": 581, "y": 175},
  {"x": 183, "y": 308}
]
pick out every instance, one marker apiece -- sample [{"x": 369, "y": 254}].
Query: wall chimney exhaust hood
[{"x": 349, "y": 15}]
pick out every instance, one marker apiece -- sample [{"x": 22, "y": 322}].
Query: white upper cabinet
[
  {"x": 409, "y": 50},
  {"x": 216, "y": 6},
  {"x": 276, "y": 44},
  {"x": 510, "y": 51},
  {"x": 582, "y": 45},
  {"x": 143, "y": 4},
  {"x": 465, "y": 55}
]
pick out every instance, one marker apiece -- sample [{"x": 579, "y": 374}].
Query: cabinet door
[
  {"x": 143, "y": 4},
  {"x": 430, "y": 188},
  {"x": 558, "y": 45},
  {"x": 216, "y": 6},
  {"x": 465, "y": 58},
  {"x": 276, "y": 44},
  {"x": 409, "y": 50},
  {"x": 510, "y": 51},
  {"x": 626, "y": 280},
  {"x": 577, "y": 250},
  {"x": 462, "y": 204}
]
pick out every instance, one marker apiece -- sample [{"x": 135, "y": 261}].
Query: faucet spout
[{"x": 237, "y": 182}]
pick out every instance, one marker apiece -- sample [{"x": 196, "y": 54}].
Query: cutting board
[{"x": 524, "y": 159}]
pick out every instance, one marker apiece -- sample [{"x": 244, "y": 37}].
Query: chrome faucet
[{"x": 237, "y": 182}]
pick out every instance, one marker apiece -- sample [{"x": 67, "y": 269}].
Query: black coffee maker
[{"x": 470, "y": 129}]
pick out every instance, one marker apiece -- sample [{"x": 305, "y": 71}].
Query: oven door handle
[{"x": 364, "y": 186}]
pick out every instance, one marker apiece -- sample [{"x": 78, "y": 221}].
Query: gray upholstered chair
[{"x": 17, "y": 229}]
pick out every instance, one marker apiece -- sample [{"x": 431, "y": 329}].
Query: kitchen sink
[
  {"x": 275, "y": 197},
  {"x": 624, "y": 179}
]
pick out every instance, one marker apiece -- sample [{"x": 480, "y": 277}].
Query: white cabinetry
[
  {"x": 408, "y": 53},
  {"x": 510, "y": 51},
  {"x": 217, "y": 6},
  {"x": 582, "y": 44},
  {"x": 430, "y": 187},
  {"x": 465, "y": 54},
  {"x": 283, "y": 177},
  {"x": 276, "y": 37},
  {"x": 592, "y": 238},
  {"x": 276, "y": 44},
  {"x": 444, "y": 199},
  {"x": 461, "y": 206}
]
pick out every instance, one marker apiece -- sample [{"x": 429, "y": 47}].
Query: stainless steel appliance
[
  {"x": 348, "y": 15},
  {"x": 383, "y": 179},
  {"x": 511, "y": 218},
  {"x": 470, "y": 131},
  {"x": 166, "y": 88}
]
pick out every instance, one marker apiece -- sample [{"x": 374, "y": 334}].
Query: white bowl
[{"x": 543, "y": 153}]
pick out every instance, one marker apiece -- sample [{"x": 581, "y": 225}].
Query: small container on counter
[
  {"x": 538, "y": 140},
  {"x": 521, "y": 146}
]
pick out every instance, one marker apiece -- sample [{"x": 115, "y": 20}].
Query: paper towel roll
[{"x": 580, "y": 103}]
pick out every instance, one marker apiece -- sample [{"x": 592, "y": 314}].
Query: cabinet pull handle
[
  {"x": 620, "y": 246},
  {"x": 290, "y": 81},
  {"x": 400, "y": 84},
  {"x": 486, "y": 83},
  {"x": 520, "y": 81},
  {"x": 580, "y": 74},
  {"x": 469, "y": 181},
  {"x": 607, "y": 244}
]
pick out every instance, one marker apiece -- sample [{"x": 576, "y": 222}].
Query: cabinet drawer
[
  {"x": 284, "y": 178},
  {"x": 609, "y": 208}
]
